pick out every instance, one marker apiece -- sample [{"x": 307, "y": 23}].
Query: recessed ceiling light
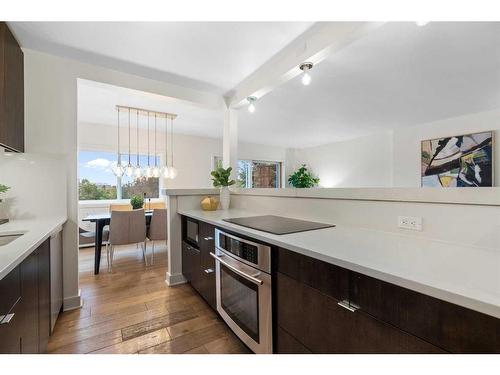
[
  {"x": 306, "y": 77},
  {"x": 251, "y": 106},
  {"x": 422, "y": 23}
]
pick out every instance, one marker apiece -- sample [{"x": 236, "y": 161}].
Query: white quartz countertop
[
  {"x": 464, "y": 275},
  {"x": 35, "y": 232}
]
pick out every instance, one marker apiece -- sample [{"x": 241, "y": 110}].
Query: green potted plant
[
  {"x": 3, "y": 190},
  {"x": 221, "y": 179},
  {"x": 302, "y": 178},
  {"x": 137, "y": 202}
]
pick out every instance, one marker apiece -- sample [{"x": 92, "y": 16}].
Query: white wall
[
  {"x": 388, "y": 159},
  {"x": 361, "y": 162},
  {"x": 37, "y": 186}
]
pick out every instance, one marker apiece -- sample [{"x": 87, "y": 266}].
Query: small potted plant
[
  {"x": 221, "y": 179},
  {"x": 137, "y": 202},
  {"x": 3, "y": 190},
  {"x": 302, "y": 178}
]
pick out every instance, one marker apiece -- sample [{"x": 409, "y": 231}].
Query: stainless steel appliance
[
  {"x": 243, "y": 281},
  {"x": 277, "y": 224}
]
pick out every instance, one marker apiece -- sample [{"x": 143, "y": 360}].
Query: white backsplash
[{"x": 38, "y": 185}]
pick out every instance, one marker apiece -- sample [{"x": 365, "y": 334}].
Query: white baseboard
[
  {"x": 176, "y": 279},
  {"x": 72, "y": 303}
]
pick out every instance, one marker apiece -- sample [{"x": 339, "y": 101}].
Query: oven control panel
[{"x": 250, "y": 252}]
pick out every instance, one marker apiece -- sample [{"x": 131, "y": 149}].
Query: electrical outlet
[{"x": 409, "y": 222}]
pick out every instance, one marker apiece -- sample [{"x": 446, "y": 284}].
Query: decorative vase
[
  {"x": 224, "y": 197},
  {"x": 209, "y": 204}
]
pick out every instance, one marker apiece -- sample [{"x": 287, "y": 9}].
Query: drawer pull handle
[
  {"x": 209, "y": 270},
  {"x": 348, "y": 306},
  {"x": 5, "y": 319},
  {"x": 208, "y": 238}
]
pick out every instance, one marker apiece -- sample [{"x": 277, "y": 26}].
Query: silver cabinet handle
[
  {"x": 235, "y": 270},
  {"x": 209, "y": 270},
  {"x": 208, "y": 238},
  {"x": 5, "y": 319},
  {"x": 348, "y": 306}
]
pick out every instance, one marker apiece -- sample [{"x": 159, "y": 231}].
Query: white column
[{"x": 230, "y": 141}]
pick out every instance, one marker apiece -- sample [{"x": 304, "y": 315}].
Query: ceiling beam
[{"x": 314, "y": 45}]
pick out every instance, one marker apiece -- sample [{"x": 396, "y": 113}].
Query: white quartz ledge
[
  {"x": 203, "y": 191},
  {"x": 464, "y": 275},
  {"x": 35, "y": 232}
]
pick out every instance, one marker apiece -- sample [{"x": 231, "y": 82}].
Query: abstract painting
[{"x": 458, "y": 161}]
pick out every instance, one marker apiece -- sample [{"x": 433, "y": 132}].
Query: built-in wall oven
[{"x": 243, "y": 281}]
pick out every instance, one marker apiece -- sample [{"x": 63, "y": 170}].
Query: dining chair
[
  {"x": 154, "y": 205},
  {"x": 157, "y": 228},
  {"x": 126, "y": 227},
  {"x": 120, "y": 207}
]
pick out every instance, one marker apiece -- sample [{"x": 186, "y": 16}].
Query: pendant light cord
[
  {"x": 119, "y": 160},
  {"x": 156, "y": 163},
  {"x": 166, "y": 141},
  {"x": 129, "y": 136},
  {"x": 172, "y": 141},
  {"x": 137, "y": 140},
  {"x": 148, "y": 139}
]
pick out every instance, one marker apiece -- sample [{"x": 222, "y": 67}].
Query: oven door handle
[{"x": 236, "y": 270}]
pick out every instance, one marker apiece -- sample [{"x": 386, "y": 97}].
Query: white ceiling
[
  {"x": 210, "y": 56},
  {"x": 399, "y": 75},
  {"x": 97, "y": 101}
]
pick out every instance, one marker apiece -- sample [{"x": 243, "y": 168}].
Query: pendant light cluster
[{"x": 148, "y": 171}]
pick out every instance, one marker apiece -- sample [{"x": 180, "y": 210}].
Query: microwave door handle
[{"x": 236, "y": 270}]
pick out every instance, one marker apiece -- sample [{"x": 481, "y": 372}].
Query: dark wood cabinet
[
  {"x": 29, "y": 304},
  {"x": 28, "y": 331},
  {"x": 198, "y": 266},
  {"x": 11, "y": 91},
  {"x": 319, "y": 324},
  {"x": 43, "y": 296},
  {"x": 385, "y": 318}
]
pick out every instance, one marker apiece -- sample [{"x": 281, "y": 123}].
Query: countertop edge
[
  {"x": 23, "y": 254},
  {"x": 445, "y": 295}
]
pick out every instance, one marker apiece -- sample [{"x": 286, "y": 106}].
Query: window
[
  {"x": 97, "y": 180},
  {"x": 257, "y": 173}
]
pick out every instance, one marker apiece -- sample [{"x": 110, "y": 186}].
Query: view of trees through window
[
  {"x": 97, "y": 180},
  {"x": 257, "y": 173}
]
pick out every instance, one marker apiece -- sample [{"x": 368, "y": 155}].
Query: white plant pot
[{"x": 225, "y": 198}]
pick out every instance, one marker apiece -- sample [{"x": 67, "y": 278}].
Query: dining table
[{"x": 101, "y": 220}]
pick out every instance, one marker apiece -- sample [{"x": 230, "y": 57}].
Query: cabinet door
[
  {"x": 43, "y": 295},
  {"x": 12, "y": 75},
  {"x": 10, "y": 333},
  {"x": 207, "y": 263},
  {"x": 10, "y": 291},
  {"x": 321, "y": 325},
  {"x": 191, "y": 266},
  {"x": 29, "y": 303}
]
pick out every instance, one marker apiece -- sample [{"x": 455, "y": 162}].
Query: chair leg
[
  {"x": 153, "y": 253},
  {"x": 107, "y": 255},
  {"x": 143, "y": 246},
  {"x": 111, "y": 255}
]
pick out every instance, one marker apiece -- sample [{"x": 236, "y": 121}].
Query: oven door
[{"x": 244, "y": 301}]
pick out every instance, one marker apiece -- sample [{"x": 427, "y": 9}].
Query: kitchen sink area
[{"x": 7, "y": 237}]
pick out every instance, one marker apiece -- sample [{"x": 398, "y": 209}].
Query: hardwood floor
[{"x": 132, "y": 310}]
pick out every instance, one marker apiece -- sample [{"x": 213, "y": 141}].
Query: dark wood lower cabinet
[
  {"x": 28, "y": 331},
  {"x": 43, "y": 296},
  {"x": 319, "y": 324},
  {"x": 198, "y": 267}
]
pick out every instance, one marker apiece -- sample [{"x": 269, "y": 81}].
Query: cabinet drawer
[
  {"x": 10, "y": 333},
  {"x": 10, "y": 291},
  {"x": 287, "y": 344},
  {"x": 327, "y": 278},
  {"x": 207, "y": 245},
  {"x": 317, "y": 321},
  {"x": 451, "y": 327}
]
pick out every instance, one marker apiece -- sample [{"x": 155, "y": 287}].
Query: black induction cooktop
[{"x": 277, "y": 224}]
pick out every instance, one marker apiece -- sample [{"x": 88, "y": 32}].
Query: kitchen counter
[
  {"x": 36, "y": 231},
  {"x": 468, "y": 276}
]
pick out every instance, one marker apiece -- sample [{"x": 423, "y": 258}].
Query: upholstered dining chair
[
  {"x": 126, "y": 227},
  {"x": 157, "y": 228}
]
